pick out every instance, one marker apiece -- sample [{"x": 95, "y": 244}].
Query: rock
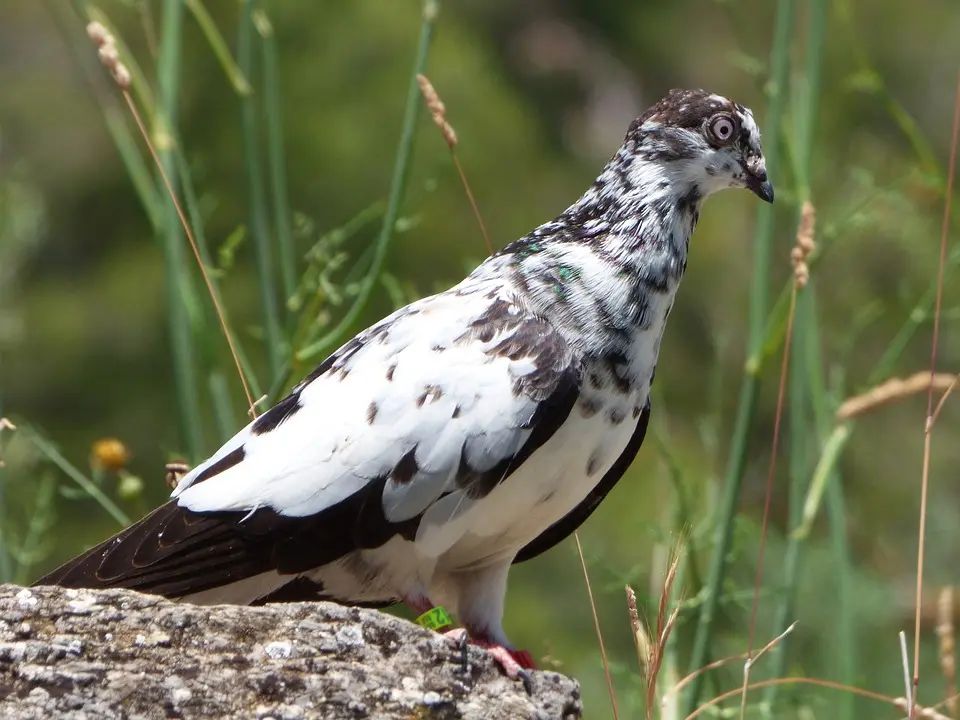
[{"x": 103, "y": 654}]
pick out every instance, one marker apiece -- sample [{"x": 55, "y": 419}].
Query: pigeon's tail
[
  {"x": 172, "y": 552},
  {"x": 238, "y": 557}
]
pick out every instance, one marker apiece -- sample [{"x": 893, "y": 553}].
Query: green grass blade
[
  {"x": 222, "y": 408},
  {"x": 83, "y": 482},
  {"x": 759, "y": 302},
  {"x": 38, "y": 530},
  {"x": 275, "y": 157},
  {"x": 309, "y": 328},
  {"x": 184, "y": 352},
  {"x": 908, "y": 126},
  {"x": 846, "y": 647},
  {"x": 918, "y": 316},
  {"x": 398, "y": 185},
  {"x": 192, "y": 207},
  {"x": 276, "y": 345},
  {"x": 806, "y": 336},
  {"x": 832, "y": 448},
  {"x": 219, "y": 46},
  {"x": 833, "y": 439},
  {"x": 140, "y": 175},
  {"x": 69, "y": 23}
]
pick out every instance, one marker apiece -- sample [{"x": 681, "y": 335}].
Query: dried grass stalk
[
  {"x": 641, "y": 641},
  {"x": 651, "y": 652},
  {"x": 945, "y": 634},
  {"x": 919, "y": 712},
  {"x": 804, "y": 246},
  {"x": 891, "y": 391},
  {"x": 439, "y": 113}
]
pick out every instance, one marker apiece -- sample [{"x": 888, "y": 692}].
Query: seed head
[
  {"x": 437, "y": 109},
  {"x": 109, "y": 57},
  {"x": 804, "y": 246}
]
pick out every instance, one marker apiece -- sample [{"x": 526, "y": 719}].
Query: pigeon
[{"x": 468, "y": 431}]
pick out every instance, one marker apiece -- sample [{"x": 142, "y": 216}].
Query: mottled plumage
[{"x": 467, "y": 431}]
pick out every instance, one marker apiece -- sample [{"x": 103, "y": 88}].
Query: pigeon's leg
[
  {"x": 481, "y": 596},
  {"x": 515, "y": 663},
  {"x": 421, "y": 605},
  {"x": 418, "y": 603}
]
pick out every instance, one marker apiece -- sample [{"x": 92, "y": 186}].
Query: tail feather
[
  {"x": 176, "y": 552},
  {"x": 170, "y": 552}
]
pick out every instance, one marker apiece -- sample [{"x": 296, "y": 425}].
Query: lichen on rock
[{"x": 104, "y": 654}]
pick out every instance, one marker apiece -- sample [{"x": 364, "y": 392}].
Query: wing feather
[{"x": 429, "y": 409}]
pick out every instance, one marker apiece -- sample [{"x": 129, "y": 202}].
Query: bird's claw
[
  {"x": 459, "y": 638},
  {"x": 526, "y": 678},
  {"x": 516, "y": 664}
]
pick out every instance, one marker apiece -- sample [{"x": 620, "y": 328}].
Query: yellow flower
[{"x": 110, "y": 454}]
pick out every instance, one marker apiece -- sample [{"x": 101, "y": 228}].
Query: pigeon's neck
[
  {"x": 606, "y": 270},
  {"x": 618, "y": 247}
]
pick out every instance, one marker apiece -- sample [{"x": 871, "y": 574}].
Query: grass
[
  {"x": 804, "y": 364},
  {"x": 179, "y": 290},
  {"x": 309, "y": 303},
  {"x": 398, "y": 186},
  {"x": 750, "y": 385},
  {"x": 275, "y": 342}
]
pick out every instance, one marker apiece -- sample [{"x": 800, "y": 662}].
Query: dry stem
[
  {"x": 781, "y": 390},
  {"x": 596, "y": 625},
  {"x": 893, "y": 390},
  {"x": 753, "y": 659},
  {"x": 439, "y": 113},
  {"x": 917, "y": 711},
  {"x": 945, "y": 633},
  {"x": 651, "y": 653},
  {"x": 111, "y": 61},
  {"x": 817, "y": 682},
  {"x": 905, "y": 660},
  {"x": 928, "y": 425}
]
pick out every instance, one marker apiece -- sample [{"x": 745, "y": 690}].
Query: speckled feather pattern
[{"x": 467, "y": 429}]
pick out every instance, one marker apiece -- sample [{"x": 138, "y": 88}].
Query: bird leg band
[{"x": 435, "y": 618}]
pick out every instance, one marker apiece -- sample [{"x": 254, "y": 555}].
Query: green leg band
[{"x": 435, "y": 619}]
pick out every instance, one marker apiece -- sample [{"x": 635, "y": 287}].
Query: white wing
[
  {"x": 397, "y": 433},
  {"x": 443, "y": 398}
]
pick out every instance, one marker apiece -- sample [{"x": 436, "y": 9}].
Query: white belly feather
[{"x": 547, "y": 486}]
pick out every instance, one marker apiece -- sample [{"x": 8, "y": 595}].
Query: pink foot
[{"x": 515, "y": 663}]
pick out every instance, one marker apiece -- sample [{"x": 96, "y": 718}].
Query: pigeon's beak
[{"x": 757, "y": 182}]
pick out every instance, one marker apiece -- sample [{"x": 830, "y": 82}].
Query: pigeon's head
[{"x": 703, "y": 140}]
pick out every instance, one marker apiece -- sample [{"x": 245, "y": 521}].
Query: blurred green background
[{"x": 540, "y": 94}]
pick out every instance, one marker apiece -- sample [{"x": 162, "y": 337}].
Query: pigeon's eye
[{"x": 723, "y": 128}]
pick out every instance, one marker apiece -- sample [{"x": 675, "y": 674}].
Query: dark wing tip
[{"x": 170, "y": 552}]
